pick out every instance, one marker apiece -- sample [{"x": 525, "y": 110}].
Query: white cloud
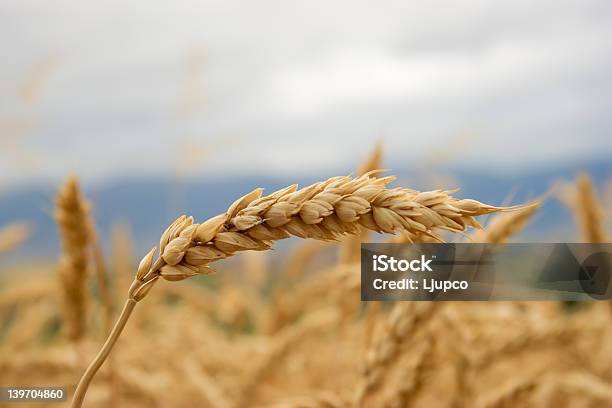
[{"x": 298, "y": 84}]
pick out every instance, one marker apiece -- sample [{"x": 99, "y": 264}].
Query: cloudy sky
[{"x": 115, "y": 88}]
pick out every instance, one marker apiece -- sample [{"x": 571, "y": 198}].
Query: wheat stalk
[
  {"x": 326, "y": 210},
  {"x": 72, "y": 217}
]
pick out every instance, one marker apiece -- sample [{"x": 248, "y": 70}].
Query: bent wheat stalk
[{"x": 326, "y": 210}]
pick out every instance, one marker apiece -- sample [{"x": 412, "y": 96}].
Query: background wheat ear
[
  {"x": 72, "y": 217},
  {"x": 589, "y": 210},
  {"x": 350, "y": 246},
  {"x": 13, "y": 235}
]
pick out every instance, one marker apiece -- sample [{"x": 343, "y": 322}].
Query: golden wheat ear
[
  {"x": 589, "y": 210},
  {"x": 72, "y": 218},
  {"x": 327, "y": 210}
]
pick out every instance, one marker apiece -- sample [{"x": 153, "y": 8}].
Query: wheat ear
[
  {"x": 326, "y": 210},
  {"x": 590, "y": 213},
  {"x": 405, "y": 318},
  {"x": 13, "y": 235},
  {"x": 72, "y": 217}
]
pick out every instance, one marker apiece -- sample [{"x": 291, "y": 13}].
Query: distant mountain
[{"x": 148, "y": 205}]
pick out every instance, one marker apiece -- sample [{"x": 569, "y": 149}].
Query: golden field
[{"x": 288, "y": 329}]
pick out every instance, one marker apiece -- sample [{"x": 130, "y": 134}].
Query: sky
[{"x": 119, "y": 89}]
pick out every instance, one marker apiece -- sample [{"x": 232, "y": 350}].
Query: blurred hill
[{"x": 149, "y": 205}]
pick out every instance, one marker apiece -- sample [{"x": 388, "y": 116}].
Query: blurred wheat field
[{"x": 289, "y": 329}]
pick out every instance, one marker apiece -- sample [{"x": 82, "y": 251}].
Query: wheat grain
[
  {"x": 72, "y": 217},
  {"x": 326, "y": 210}
]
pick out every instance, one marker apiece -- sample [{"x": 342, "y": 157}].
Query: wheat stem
[
  {"x": 90, "y": 372},
  {"x": 135, "y": 294}
]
